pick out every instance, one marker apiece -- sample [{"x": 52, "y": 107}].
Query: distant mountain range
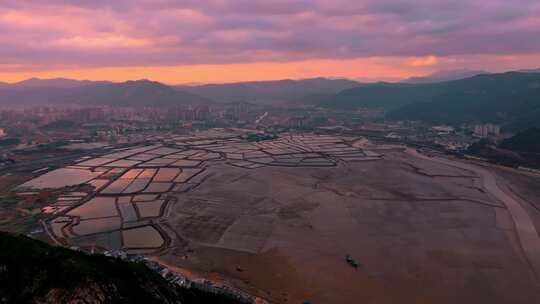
[
  {"x": 64, "y": 83},
  {"x": 449, "y": 75},
  {"x": 66, "y": 91},
  {"x": 148, "y": 93},
  {"x": 269, "y": 91},
  {"x": 511, "y": 99},
  {"x": 445, "y": 75},
  {"x": 529, "y": 71},
  {"x": 133, "y": 93}
]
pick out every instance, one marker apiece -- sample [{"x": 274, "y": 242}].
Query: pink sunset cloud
[{"x": 425, "y": 34}]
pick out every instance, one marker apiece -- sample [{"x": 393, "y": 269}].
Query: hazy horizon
[{"x": 360, "y": 79}]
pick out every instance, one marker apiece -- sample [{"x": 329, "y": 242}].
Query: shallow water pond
[{"x": 60, "y": 178}]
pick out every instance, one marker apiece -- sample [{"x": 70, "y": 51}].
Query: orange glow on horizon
[
  {"x": 226, "y": 73},
  {"x": 362, "y": 69}
]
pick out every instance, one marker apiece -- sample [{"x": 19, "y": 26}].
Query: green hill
[
  {"x": 269, "y": 91},
  {"x": 511, "y": 99},
  {"x": 384, "y": 95},
  {"x": 523, "y": 149},
  {"x": 527, "y": 141}
]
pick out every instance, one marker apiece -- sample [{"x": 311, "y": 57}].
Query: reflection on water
[
  {"x": 98, "y": 225},
  {"x": 95, "y": 208},
  {"x": 150, "y": 209},
  {"x": 142, "y": 237},
  {"x": 137, "y": 185},
  {"x": 117, "y": 186},
  {"x": 166, "y": 174},
  {"x": 98, "y": 183},
  {"x": 127, "y": 211},
  {"x": 60, "y": 178},
  {"x": 133, "y": 186}
]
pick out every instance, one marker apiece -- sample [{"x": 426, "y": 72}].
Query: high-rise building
[{"x": 487, "y": 130}]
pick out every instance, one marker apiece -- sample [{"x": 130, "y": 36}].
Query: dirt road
[{"x": 528, "y": 236}]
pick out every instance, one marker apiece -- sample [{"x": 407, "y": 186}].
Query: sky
[{"x": 209, "y": 41}]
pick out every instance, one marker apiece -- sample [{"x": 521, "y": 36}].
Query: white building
[
  {"x": 443, "y": 129},
  {"x": 487, "y": 130}
]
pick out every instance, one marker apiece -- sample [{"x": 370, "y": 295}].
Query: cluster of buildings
[
  {"x": 238, "y": 111},
  {"x": 113, "y": 123},
  {"x": 487, "y": 130},
  {"x": 166, "y": 114},
  {"x": 106, "y": 119},
  {"x": 44, "y": 114},
  {"x": 370, "y": 113}
]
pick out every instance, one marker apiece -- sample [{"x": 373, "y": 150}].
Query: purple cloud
[{"x": 165, "y": 32}]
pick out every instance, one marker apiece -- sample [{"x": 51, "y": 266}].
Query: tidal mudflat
[{"x": 277, "y": 218}]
